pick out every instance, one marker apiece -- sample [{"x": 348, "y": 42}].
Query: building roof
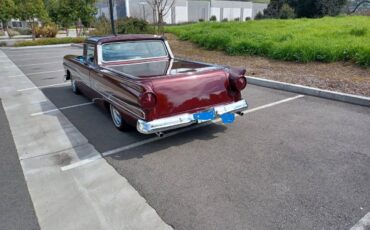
[{"x": 124, "y": 37}]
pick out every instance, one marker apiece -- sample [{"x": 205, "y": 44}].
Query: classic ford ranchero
[{"x": 142, "y": 84}]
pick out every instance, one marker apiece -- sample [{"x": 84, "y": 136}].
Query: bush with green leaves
[
  {"x": 133, "y": 26},
  {"x": 225, "y": 20},
  {"x": 101, "y": 26},
  {"x": 50, "y": 41},
  {"x": 201, "y": 20},
  {"x": 213, "y": 18},
  {"x": 49, "y": 30},
  {"x": 12, "y": 32},
  {"x": 23, "y": 31},
  {"x": 286, "y": 12},
  {"x": 326, "y": 39},
  {"x": 259, "y": 15}
]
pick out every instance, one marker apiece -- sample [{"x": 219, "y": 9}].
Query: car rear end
[{"x": 177, "y": 101}]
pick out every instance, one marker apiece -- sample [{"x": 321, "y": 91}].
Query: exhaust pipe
[
  {"x": 240, "y": 113},
  {"x": 160, "y": 134}
]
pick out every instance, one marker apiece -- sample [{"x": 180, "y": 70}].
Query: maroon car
[{"x": 142, "y": 84}]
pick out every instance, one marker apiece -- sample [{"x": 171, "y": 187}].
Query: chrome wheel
[{"x": 116, "y": 116}]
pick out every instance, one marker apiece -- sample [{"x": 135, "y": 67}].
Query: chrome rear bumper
[{"x": 178, "y": 121}]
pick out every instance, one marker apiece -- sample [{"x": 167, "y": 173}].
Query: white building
[{"x": 186, "y": 10}]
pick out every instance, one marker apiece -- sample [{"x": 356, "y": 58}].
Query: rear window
[{"x": 121, "y": 51}]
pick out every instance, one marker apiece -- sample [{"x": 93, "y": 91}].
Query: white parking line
[
  {"x": 170, "y": 134},
  {"x": 44, "y": 63},
  {"x": 362, "y": 224},
  {"x": 45, "y": 86},
  {"x": 39, "y": 58},
  {"x": 62, "y": 108},
  {"x": 28, "y": 74},
  {"x": 273, "y": 104}
]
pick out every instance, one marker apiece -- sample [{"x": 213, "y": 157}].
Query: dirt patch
[{"x": 339, "y": 76}]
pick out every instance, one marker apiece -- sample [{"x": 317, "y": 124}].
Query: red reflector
[{"x": 148, "y": 100}]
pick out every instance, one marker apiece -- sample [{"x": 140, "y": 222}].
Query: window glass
[
  {"x": 90, "y": 56},
  {"x": 133, "y": 50}
]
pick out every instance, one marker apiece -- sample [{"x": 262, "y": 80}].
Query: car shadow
[
  {"x": 200, "y": 133},
  {"x": 95, "y": 124}
]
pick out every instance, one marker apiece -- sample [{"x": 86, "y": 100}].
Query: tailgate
[{"x": 190, "y": 93}]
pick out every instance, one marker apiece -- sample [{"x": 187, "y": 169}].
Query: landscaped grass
[
  {"x": 50, "y": 41},
  {"x": 327, "y": 39}
]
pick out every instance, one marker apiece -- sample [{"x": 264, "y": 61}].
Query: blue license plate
[{"x": 205, "y": 116}]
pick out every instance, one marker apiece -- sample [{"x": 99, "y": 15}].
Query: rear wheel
[
  {"x": 117, "y": 119},
  {"x": 74, "y": 87}
]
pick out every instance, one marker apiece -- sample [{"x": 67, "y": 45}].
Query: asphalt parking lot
[{"x": 292, "y": 162}]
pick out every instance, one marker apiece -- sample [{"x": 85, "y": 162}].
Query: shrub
[
  {"x": 3, "y": 44},
  {"x": 201, "y": 20},
  {"x": 101, "y": 26},
  {"x": 2, "y": 33},
  {"x": 13, "y": 32},
  {"x": 225, "y": 20},
  {"x": 23, "y": 31},
  {"x": 259, "y": 15},
  {"x": 46, "y": 31},
  {"x": 133, "y": 26},
  {"x": 236, "y": 19},
  {"x": 213, "y": 18},
  {"x": 247, "y": 18},
  {"x": 50, "y": 41},
  {"x": 286, "y": 12},
  {"x": 50, "y": 31}
]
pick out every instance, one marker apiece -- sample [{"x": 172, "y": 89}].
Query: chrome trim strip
[
  {"x": 168, "y": 123},
  {"x": 169, "y": 49}
]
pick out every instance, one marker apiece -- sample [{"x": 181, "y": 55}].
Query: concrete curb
[
  {"x": 344, "y": 97},
  {"x": 43, "y": 46},
  {"x": 77, "y": 45}
]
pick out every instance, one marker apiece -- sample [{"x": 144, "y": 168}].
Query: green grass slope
[{"x": 326, "y": 39}]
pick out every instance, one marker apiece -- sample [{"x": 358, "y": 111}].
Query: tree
[
  {"x": 330, "y": 7},
  {"x": 52, "y": 7},
  {"x": 286, "y": 12},
  {"x": 305, "y": 8},
  {"x": 32, "y": 11},
  {"x": 160, "y": 10},
  {"x": 79, "y": 12},
  {"x": 7, "y": 12}
]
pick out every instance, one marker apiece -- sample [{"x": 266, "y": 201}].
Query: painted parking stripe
[
  {"x": 170, "y": 134},
  {"x": 24, "y": 53},
  {"x": 273, "y": 104},
  {"x": 134, "y": 145},
  {"x": 62, "y": 108},
  {"x": 362, "y": 224},
  {"x": 44, "y": 63},
  {"x": 42, "y": 87},
  {"x": 39, "y": 58},
  {"x": 29, "y": 74}
]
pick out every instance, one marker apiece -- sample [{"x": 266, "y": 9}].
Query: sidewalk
[{"x": 92, "y": 196}]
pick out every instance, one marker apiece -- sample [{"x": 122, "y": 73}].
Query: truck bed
[{"x": 162, "y": 68}]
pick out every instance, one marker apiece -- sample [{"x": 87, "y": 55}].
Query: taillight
[
  {"x": 238, "y": 83},
  {"x": 148, "y": 100},
  {"x": 237, "y": 80}
]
